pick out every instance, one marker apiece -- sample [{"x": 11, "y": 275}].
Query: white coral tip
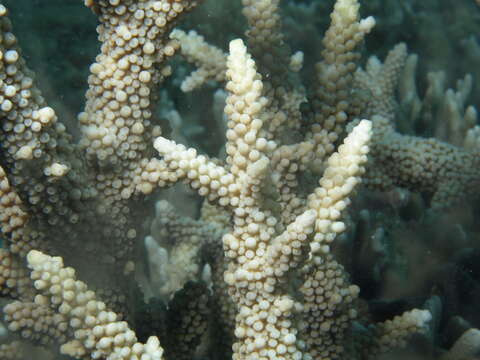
[
  {"x": 36, "y": 258},
  {"x": 164, "y": 146}
]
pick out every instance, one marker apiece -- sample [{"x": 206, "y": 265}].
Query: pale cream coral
[
  {"x": 116, "y": 123},
  {"x": 263, "y": 244},
  {"x": 12, "y": 216},
  {"x": 175, "y": 247},
  {"x": 245, "y": 147},
  {"x": 14, "y": 279},
  {"x": 211, "y": 62},
  {"x": 394, "y": 333},
  {"x": 265, "y": 39},
  {"x": 333, "y": 102},
  {"x": 97, "y": 330},
  {"x": 259, "y": 248},
  {"x": 30, "y": 131},
  {"x": 36, "y": 322},
  {"x": 327, "y": 314},
  {"x": 339, "y": 179},
  {"x": 466, "y": 347}
]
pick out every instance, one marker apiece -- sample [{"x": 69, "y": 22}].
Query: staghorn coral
[
  {"x": 445, "y": 171},
  {"x": 279, "y": 196}
]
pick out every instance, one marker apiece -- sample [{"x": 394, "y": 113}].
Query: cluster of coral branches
[{"x": 255, "y": 276}]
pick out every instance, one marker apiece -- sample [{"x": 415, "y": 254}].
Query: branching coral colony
[{"x": 271, "y": 288}]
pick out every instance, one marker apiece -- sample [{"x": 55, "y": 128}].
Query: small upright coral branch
[{"x": 211, "y": 62}]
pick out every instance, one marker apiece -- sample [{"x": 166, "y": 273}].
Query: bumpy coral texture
[{"x": 255, "y": 276}]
